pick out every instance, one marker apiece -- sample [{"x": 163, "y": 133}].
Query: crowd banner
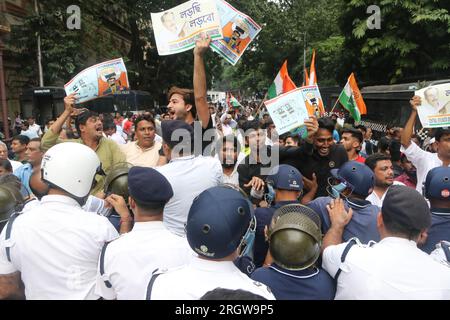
[
  {"x": 238, "y": 31},
  {"x": 288, "y": 111},
  {"x": 435, "y": 109},
  {"x": 177, "y": 29},
  {"x": 313, "y": 100},
  {"x": 106, "y": 78}
]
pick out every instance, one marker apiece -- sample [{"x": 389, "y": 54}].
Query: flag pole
[
  {"x": 264, "y": 99},
  {"x": 335, "y": 105}
]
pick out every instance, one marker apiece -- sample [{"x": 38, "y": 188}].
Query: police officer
[
  {"x": 56, "y": 245},
  {"x": 393, "y": 268},
  {"x": 116, "y": 189},
  {"x": 217, "y": 222},
  {"x": 127, "y": 263},
  {"x": 285, "y": 185},
  {"x": 437, "y": 190},
  {"x": 353, "y": 182},
  {"x": 295, "y": 243}
]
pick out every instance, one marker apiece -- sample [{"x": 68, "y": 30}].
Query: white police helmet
[{"x": 71, "y": 167}]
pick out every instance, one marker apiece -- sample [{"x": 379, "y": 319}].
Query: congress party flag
[
  {"x": 282, "y": 83},
  {"x": 351, "y": 99}
]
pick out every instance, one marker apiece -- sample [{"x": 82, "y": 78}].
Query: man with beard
[
  {"x": 90, "y": 130},
  {"x": 381, "y": 165},
  {"x": 409, "y": 176},
  {"x": 352, "y": 140},
  {"x": 318, "y": 155},
  {"x": 186, "y": 104},
  {"x": 229, "y": 152}
]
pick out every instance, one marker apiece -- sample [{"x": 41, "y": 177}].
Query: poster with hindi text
[
  {"x": 106, "y": 78},
  {"x": 288, "y": 111},
  {"x": 177, "y": 29},
  {"x": 434, "y": 112},
  {"x": 238, "y": 31}
]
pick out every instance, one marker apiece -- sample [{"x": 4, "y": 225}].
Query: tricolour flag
[
  {"x": 234, "y": 102},
  {"x": 312, "y": 75},
  {"x": 282, "y": 83},
  {"x": 351, "y": 99}
]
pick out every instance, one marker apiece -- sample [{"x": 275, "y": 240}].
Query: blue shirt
[
  {"x": 310, "y": 284},
  {"x": 263, "y": 218},
  {"x": 363, "y": 224},
  {"x": 24, "y": 174},
  {"x": 439, "y": 230}
]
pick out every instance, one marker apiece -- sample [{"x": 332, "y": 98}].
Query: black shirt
[
  {"x": 308, "y": 161},
  {"x": 249, "y": 168}
]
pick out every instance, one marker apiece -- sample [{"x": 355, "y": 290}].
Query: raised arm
[
  {"x": 409, "y": 127},
  {"x": 200, "y": 88},
  {"x": 339, "y": 218}
]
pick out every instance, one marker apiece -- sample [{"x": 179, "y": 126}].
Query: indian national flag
[
  {"x": 351, "y": 99},
  {"x": 282, "y": 83},
  {"x": 234, "y": 102}
]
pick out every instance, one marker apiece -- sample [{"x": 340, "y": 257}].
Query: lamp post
[{"x": 3, "y": 31}]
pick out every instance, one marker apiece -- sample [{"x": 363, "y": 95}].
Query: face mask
[
  {"x": 270, "y": 195},
  {"x": 337, "y": 190}
]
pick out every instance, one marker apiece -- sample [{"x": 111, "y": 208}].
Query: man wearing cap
[
  {"x": 353, "y": 182},
  {"x": 295, "y": 242},
  {"x": 127, "y": 263},
  {"x": 285, "y": 186},
  {"x": 188, "y": 175},
  {"x": 394, "y": 268},
  {"x": 215, "y": 233},
  {"x": 437, "y": 190},
  {"x": 424, "y": 161},
  {"x": 383, "y": 171},
  {"x": 90, "y": 130}
]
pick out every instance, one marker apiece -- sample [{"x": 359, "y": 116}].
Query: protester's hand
[
  {"x": 69, "y": 102},
  {"x": 100, "y": 195},
  {"x": 202, "y": 45},
  {"x": 415, "y": 102},
  {"x": 256, "y": 183},
  {"x": 311, "y": 184},
  {"x": 119, "y": 205},
  {"x": 339, "y": 217},
  {"x": 312, "y": 126}
]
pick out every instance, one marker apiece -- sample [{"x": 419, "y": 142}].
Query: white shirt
[
  {"x": 423, "y": 161},
  {"x": 36, "y": 128},
  {"x": 130, "y": 260},
  {"x": 15, "y": 164},
  {"x": 377, "y": 201},
  {"x": 56, "y": 247},
  {"x": 118, "y": 138},
  {"x": 393, "y": 269},
  {"x": 189, "y": 176},
  {"x": 201, "y": 276},
  {"x": 30, "y": 133}
]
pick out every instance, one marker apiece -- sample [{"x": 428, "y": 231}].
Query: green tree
[{"x": 412, "y": 43}]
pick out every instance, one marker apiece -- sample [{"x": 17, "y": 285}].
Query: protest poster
[
  {"x": 313, "y": 100},
  {"x": 177, "y": 29},
  {"x": 288, "y": 111},
  {"x": 435, "y": 109},
  {"x": 238, "y": 31},
  {"x": 106, "y": 78}
]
